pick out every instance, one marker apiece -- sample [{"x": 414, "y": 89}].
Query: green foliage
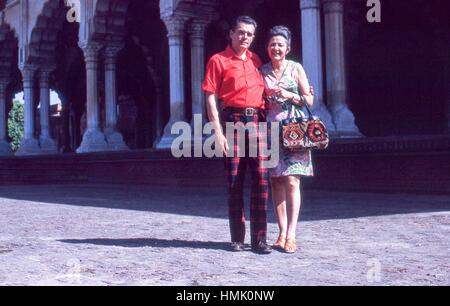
[{"x": 16, "y": 124}]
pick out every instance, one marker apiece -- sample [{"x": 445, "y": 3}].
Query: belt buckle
[{"x": 249, "y": 111}]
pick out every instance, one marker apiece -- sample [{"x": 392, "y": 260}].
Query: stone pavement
[{"x": 162, "y": 235}]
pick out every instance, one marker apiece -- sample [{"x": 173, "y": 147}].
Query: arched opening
[
  {"x": 69, "y": 81},
  {"x": 143, "y": 76},
  {"x": 54, "y": 43},
  {"x": 11, "y": 81},
  {"x": 16, "y": 113},
  {"x": 15, "y": 120}
]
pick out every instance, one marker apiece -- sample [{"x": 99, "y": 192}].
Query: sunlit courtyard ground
[{"x": 162, "y": 235}]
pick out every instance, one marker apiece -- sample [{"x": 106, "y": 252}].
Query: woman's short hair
[
  {"x": 280, "y": 30},
  {"x": 246, "y": 20}
]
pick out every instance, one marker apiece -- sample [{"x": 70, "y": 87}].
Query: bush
[{"x": 16, "y": 125}]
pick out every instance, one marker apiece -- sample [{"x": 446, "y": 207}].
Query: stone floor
[{"x": 161, "y": 235}]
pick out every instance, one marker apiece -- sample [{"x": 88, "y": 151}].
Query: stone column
[
  {"x": 335, "y": 69},
  {"x": 157, "y": 80},
  {"x": 312, "y": 57},
  {"x": 175, "y": 29},
  {"x": 29, "y": 144},
  {"x": 93, "y": 138},
  {"x": 46, "y": 142},
  {"x": 5, "y": 147},
  {"x": 197, "y": 37},
  {"x": 113, "y": 136}
]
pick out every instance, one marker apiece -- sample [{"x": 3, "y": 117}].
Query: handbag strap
[{"x": 310, "y": 115}]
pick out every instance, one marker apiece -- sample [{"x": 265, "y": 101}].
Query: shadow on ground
[
  {"x": 152, "y": 242},
  {"x": 211, "y": 201}
]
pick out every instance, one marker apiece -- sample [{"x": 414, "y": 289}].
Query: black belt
[{"x": 247, "y": 111}]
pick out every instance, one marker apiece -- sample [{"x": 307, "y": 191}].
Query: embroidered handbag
[{"x": 299, "y": 133}]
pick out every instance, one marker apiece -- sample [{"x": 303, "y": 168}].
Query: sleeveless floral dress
[{"x": 290, "y": 163}]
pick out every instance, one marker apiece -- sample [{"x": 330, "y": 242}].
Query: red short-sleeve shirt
[{"x": 237, "y": 82}]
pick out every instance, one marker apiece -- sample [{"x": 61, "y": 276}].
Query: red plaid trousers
[{"x": 235, "y": 168}]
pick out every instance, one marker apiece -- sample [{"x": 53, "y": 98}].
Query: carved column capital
[
  {"x": 91, "y": 54},
  {"x": 333, "y": 6},
  {"x": 91, "y": 50},
  {"x": 110, "y": 53},
  {"x": 197, "y": 32},
  {"x": 28, "y": 72},
  {"x": 44, "y": 74},
  {"x": 198, "y": 28},
  {"x": 111, "y": 50},
  {"x": 309, "y": 4},
  {"x": 175, "y": 29}
]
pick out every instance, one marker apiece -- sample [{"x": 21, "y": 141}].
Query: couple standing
[{"x": 237, "y": 77}]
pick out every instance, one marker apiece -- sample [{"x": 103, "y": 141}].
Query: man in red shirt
[{"x": 232, "y": 76}]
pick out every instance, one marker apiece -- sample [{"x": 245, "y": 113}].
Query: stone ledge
[
  {"x": 367, "y": 165},
  {"x": 391, "y": 144}
]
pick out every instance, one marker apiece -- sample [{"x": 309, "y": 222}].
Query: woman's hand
[
  {"x": 270, "y": 92},
  {"x": 282, "y": 93}
]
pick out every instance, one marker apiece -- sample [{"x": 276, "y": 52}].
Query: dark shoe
[
  {"x": 237, "y": 246},
  {"x": 261, "y": 248}
]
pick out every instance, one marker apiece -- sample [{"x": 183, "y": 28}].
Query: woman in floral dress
[{"x": 287, "y": 92}]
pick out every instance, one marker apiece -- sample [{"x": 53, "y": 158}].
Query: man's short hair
[{"x": 246, "y": 20}]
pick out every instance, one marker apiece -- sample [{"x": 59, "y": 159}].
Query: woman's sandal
[
  {"x": 290, "y": 246},
  {"x": 279, "y": 244}
]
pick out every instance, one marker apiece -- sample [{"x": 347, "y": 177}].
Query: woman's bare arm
[{"x": 304, "y": 87}]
